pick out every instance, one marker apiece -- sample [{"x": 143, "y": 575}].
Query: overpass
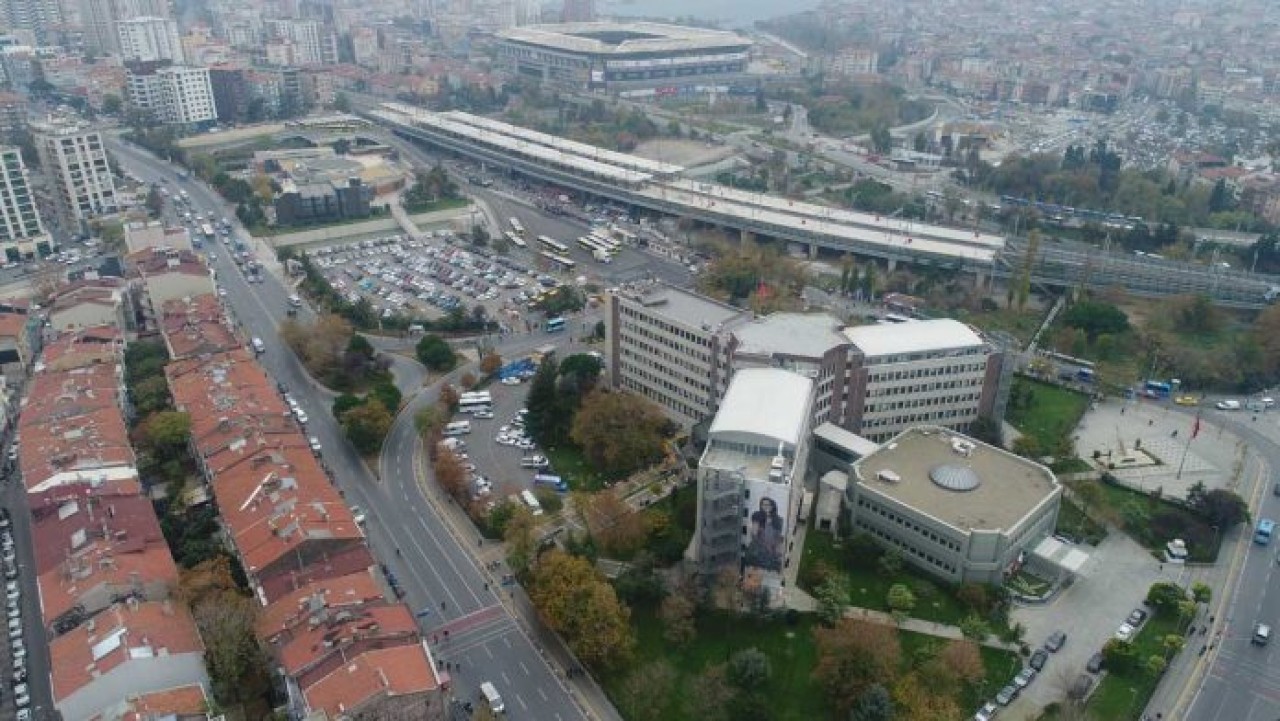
[{"x": 661, "y": 188}]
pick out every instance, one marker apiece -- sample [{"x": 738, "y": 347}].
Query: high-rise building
[
  {"x": 172, "y": 94},
  {"x": 311, "y": 43},
  {"x": 75, "y": 160},
  {"x": 578, "y": 11},
  {"x": 100, "y": 18},
  {"x": 21, "y": 232},
  {"x": 34, "y": 16},
  {"x": 149, "y": 38}
]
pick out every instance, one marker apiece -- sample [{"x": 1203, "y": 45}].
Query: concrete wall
[{"x": 383, "y": 226}]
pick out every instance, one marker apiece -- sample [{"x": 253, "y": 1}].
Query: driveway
[{"x": 1113, "y": 583}]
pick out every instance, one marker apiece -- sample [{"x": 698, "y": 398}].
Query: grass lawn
[
  {"x": 1121, "y": 695},
  {"x": 1136, "y": 511},
  {"x": 792, "y": 654},
  {"x": 1074, "y": 523},
  {"x": 1020, "y": 325},
  {"x": 869, "y": 589},
  {"x": 1053, "y": 412},
  {"x": 568, "y": 463}
]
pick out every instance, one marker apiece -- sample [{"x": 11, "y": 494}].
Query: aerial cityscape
[{"x": 637, "y": 360}]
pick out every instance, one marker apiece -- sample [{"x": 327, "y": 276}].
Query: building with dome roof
[{"x": 953, "y": 506}]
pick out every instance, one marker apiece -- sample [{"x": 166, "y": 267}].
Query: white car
[
  {"x": 357, "y": 514},
  {"x": 483, "y": 415},
  {"x": 527, "y": 445},
  {"x": 21, "y": 696},
  {"x": 302, "y": 416},
  {"x": 1125, "y": 633},
  {"x": 1228, "y": 405},
  {"x": 315, "y": 444},
  {"x": 511, "y": 381},
  {"x": 11, "y": 591}
]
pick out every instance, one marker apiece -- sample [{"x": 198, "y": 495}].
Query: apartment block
[
  {"x": 75, "y": 160},
  {"x": 172, "y": 94},
  {"x": 22, "y": 234},
  {"x": 150, "y": 39}
]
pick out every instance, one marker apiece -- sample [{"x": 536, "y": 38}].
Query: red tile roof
[
  {"x": 315, "y": 600},
  {"x": 387, "y": 672},
  {"x": 176, "y": 703},
  {"x": 343, "y": 635},
  {"x": 296, "y": 575},
  {"x": 196, "y": 327}
]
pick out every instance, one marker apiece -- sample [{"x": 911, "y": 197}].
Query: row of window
[
  {"x": 671, "y": 404},
  {"x": 885, "y": 390},
  {"x": 926, "y": 355},
  {"x": 678, "y": 357},
  {"x": 645, "y": 368},
  {"x": 906, "y": 548},
  {"x": 908, "y": 524},
  {"x": 929, "y": 372},
  {"x": 963, "y": 399},
  {"x": 677, "y": 331}
]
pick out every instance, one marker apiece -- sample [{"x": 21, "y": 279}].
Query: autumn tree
[
  {"x": 468, "y": 380},
  {"x": 491, "y": 363},
  {"x": 165, "y": 433},
  {"x": 520, "y": 536},
  {"x": 959, "y": 662},
  {"x": 449, "y": 397},
  {"x": 367, "y": 425},
  {"x": 678, "y": 625},
  {"x": 852, "y": 655},
  {"x": 576, "y": 601},
  {"x": 227, "y": 622},
  {"x": 616, "y": 527},
  {"x": 914, "y": 699},
  {"x": 450, "y": 474},
  {"x": 320, "y": 344},
  {"x": 714, "y": 696},
  {"x": 647, "y": 692},
  {"x": 619, "y": 432}
]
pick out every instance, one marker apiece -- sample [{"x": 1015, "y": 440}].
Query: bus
[
  {"x": 609, "y": 243},
  {"x": 516, "y": 227},
  {"x": 559, "y": 261},
  {"x": 532, "y": 502},
  {"x": 1157, "y": 389},
  {"x": 553, "y": 244},
  {"x": 1262, "y": 534},
  {"x": 590, "y": 244},
  {"x": 515, "y": 240},
  {"x": 556, "y": 482},
  {"x": 458, "y": 428},
  {"x": 555, "y": 325},
  {"x": 472, "y": 402},
  {"x": 623, "y": 235},
  {"x": 206, "y": 230}
]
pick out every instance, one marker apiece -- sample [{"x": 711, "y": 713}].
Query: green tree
[
  {"x": 1118, "y": 655},
  {"x": 648, "y": 692},
  {"x": 435, "y": 353},
  {"x": 367, "y": 425},
  {"x": 677, "y": 614},
  {"x": 388, "y": 394},
  {"x": 166, "y": 433},
  {"x": 1096, "y": 318},
  {"x": 155, "y": 201},
  {"x": 1201, "y": 592},
  {"x": 900, "y": 598},
  {"x": 749, "y": 668},
  {"x": 150, "y": 395},
  {"x": 520, "y": 538},
  {"x": 832, "y": 596},
  {"x": 881, "y": 139},
  {"x": 619, "y": 432},
  {"x": 875, "y": 704},
  {"x": 1223, "y": 508},
  {"x": 1165, "y": 596},
  {"x": 544, "y": 412}
]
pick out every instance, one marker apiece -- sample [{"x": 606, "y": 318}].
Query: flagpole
[{"x": 1195, "y": 431}]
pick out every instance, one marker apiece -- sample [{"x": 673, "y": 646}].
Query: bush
[{"x": 434, "y": 353}]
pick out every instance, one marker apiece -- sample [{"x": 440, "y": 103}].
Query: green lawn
[
  {"x": 1052, "y": 414},
  {"x": 568, "y": 463},
  {"x": 1153, "y": 522},
  {"x": 792, "y": 654},
  {"x": 1122, "y": 695},
  {"x": 1020, "y": 325},
  {"x": 869, "y": 589},
  {"x": 1074, "y": 523}
]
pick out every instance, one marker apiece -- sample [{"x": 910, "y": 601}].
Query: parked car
[
  {"x": 1039, "y": 659},
  {"x": 1025, "y": 677},
  {"x": 1095, "y": 663},
  {"x": 1056, "y": 640},
  {"x": 1124, "y": 633},
  {"x": 1007, "y": 695},
  {"x": 1136, "y": 617},
  {"x": 987, "y": 712}
]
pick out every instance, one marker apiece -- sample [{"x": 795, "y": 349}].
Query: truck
[{"x": 601, "y": 255}]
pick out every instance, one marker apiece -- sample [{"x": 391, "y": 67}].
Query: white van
[
  {"x": 258, "y": 346},
  {"x": 491, "y": 697},
  {"x": 458, "y": 428}
]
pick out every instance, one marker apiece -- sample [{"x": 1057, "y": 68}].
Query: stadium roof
[
  {"x": 917, "y": 336},
  {"x": 649, "y": 37},
  {"x": 767, "y": 402}
]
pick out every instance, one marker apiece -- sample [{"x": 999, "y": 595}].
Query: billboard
[{"x": 767, "y": 526}]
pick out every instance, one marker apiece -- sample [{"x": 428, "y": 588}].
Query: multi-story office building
[
  {"x": 751, "y": 481},
  {"x": 669, "y": 345},
  {"x": 13, "y": 117},
  {"x": 172, "y": 94},
  {"x": 37, "y": 17},
  {"x": 21, "y": 232},
  {"x": 957, "y": 508},
  {"x": 311, "y": 43},
  {"x": 149, "y": 39},
  {"x": 75, "y": 160},
  {"x": 101, "y": 16}
]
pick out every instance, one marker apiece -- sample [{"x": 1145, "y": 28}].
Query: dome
[{"x": 955, "y": 477}]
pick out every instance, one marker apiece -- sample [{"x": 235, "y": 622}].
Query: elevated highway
[{"x": 660, "y": 187}]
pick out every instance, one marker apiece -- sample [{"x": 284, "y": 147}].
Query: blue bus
[
  {"x": 1262, "y": 534},
  {"x": 1157, "y": 389},
  {"x": 556, "y": 482},
  {"x": 555, "y": 325}
]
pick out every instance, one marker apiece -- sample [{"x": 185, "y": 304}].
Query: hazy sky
[{"x": 729, "y": 13}]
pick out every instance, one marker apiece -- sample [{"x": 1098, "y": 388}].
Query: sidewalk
[{"x": 801, "y": 601}]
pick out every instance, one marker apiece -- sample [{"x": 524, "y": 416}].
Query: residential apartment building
[
  {"x": 172, "y": 94},
  {"x": 957, "y": 508},
  {"x": 670, "y": 346},
  {"x": 22, "y": 233},
  {"x": 38, "y": 17},
  {"x": 150, "y": 39},
  {"x": 751, "y": 481},
  {"x": 75, "y": 160},
  {"x": 308, "y": 42},
  {"x": 100, "y": 18}
]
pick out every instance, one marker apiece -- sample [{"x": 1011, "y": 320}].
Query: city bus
[
  {"x": 458, "y": 428},
  {"x": 472, "y": 402},
  {"x": 553, "y": 244},
  {"x": 206, "y": 230},
  {"x": 555, "y": 325},
  {"x": 609, "y": 243},
  {"x": 531, "y": 501},
  {"x": 559, "y": 261},
  {"x": 1262, "y": 534},
  {"x": 1157, "y": 389},
  {"x": 556, "y": 482},
  {"x": 515, "y": 240},
  {"x": 591, "y": 244},
  {"x": 516, "y": 227}
]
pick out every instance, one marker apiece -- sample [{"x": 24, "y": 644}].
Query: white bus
[
  {"x": 591, "y": 244},
  {"x": 476, "y": 396},
  {"x": 609, "y": 243},
  {"x": 472, "y": 402},
  {"x": 515, "y": 240},
  {"x": 559, "y": 261},
  {"x": 458, "y": 428},
  {"x": 516, "y": 227},
  {"x": 553, "y": 244},
  {"x": 531, "y": 501}
]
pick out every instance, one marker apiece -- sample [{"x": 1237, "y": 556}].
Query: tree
[
  {"x": 367, "y": 425},
  {"x": 155, "y": 201},
  {"x": 436, "y": 354},
  {"x": 963, "y": 661},
  {"x": 1165, "y": 596},
  {"x": 975, "y": 627},
  {"x": 875, "y": 704},
  {"x": 428, "y": 419},
  {"x": 881, "y": 139},
  {"x": 227, "y": 622},
  {"x": 616, "y": 527},
  {"x": 342, "y": 102},
  {"x": 150, "y": 394},
  {"x": 111, "y": 104},
  {"x": 890, "y": 564},
  {"x": 647, "y": 692},
  {"x": 166, "y": 433},
  {"x": 900, "y": 598},
  {"x": 853, "y": 655},
  {"x": 388, "y": 394},
  {"x": 578, "y": 603},
  {"x": 1201, "y": 592},
  {"x": 1096, "y": 318},
  {"x": 520, "y": 538},
  {"x": 832, "y": 596},
  {"x": 449, "y": 397},
  {"x": 262, "y": 188},
  {"x": 1155, "y": 664},
  {"x": 678, "y": 625},
  {"x": 749, "y": 668},
  {"x": 1223, "y": 508},
  {"x": 450, "y": 473},
  {"x": 619, "y": 432},
  {"x": 491, "y": 363}
]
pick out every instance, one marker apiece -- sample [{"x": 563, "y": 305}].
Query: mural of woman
[{"x": 765, "y": 548}]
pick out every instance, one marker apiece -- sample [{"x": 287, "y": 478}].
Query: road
[
  {"x": 14, "y": 497},
  {"x": 444, "y": 583}
]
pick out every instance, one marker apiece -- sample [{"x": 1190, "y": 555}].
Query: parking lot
[
  {"x": 496, "y": 445},
  {"x": 432, "y": 278}
]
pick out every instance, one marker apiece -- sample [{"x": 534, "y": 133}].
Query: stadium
[{"x": 615, "y": 57}]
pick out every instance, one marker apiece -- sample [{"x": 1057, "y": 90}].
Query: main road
[{"x": 457, "y": 602}]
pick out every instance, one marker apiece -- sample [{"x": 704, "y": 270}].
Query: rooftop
[
  {"x": 196, "y": 326},
  {"x": 301, "y": 574},
  {"x": 181, "y": 702},
  {"x": 768, "y": 403},
  {"x": 916, "y": 336},
  {"x": 345, "y": 635},
  {"x": 624, "y": 38},
  {"x": 395, "y": 671},
  {"x": 316, "y": 600},
  {"x": 686, "y": 307},
  {"x": 925, "y": 458},
  {"x": 807, "y": 335}
]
